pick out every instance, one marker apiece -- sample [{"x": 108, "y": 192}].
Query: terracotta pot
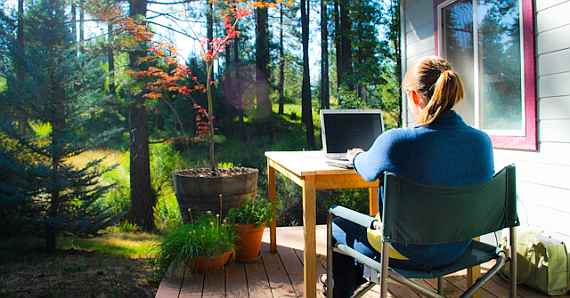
[
  {"x": 204, "y": 264},
  {"x": 198, "y": 193},
  {"x": 249, "y": 242}
]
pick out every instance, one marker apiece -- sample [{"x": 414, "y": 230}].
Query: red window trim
[{"x": 527, "y": 142}]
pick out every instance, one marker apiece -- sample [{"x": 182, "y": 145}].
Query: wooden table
[{"x": 309, "y": 170}]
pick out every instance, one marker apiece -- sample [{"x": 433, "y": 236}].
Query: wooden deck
[{"x": 281, "y": 275}]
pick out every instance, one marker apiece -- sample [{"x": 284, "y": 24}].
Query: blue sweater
[{"x": 447, "y": 152}]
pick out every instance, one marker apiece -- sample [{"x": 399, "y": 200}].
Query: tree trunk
[
  {"x": 306, "y": 102},
  {"x": 262, "y": 65},
  {"x": 337, "y": 44},
  {"x": 281, "y": 64},
  {"x": 236, "y": 77},
  {"x": 398, "y": 46},
  {"x": 142, "y": 197},
  {"x": 111, "y": 58},
  {"x": 346, "y": 44},
  {"x": 325, "y": 98},
  {"x": 81, "y": 24},
  {"x": 74, "y": 26},
  {"x": 20, "y": 64}
]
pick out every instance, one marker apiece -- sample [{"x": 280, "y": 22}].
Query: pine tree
[{"x": 54, "y": 195}]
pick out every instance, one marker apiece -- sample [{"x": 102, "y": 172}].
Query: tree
[
  {"x": 345, "y": 30},
  {"x": 325, "y": 100},
  {"x": 142, "y": 196},
  {"x": 281, "y": 84},
  {"x": 262, "y": 64},
  {"x": 55, "y": 195},
  {"x": 306, "y": 102}
]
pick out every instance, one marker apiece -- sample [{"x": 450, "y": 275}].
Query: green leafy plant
[
  {"x": 208, "y": 236},
  {"x": 256, "y": 212}
]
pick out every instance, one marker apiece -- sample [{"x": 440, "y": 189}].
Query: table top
[{"x": 306, "y": 163}]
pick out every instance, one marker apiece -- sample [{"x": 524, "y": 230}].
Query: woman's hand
[{"x": 351, "y": 153}]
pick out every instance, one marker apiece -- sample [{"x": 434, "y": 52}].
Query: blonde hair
[{"x": 435, "y": 80}]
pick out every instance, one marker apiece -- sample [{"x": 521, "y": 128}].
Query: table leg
[
  {"x": 373, "y": 201},
  {"x": 272, "y": 196},
  {"x": 309, "y": 222}
]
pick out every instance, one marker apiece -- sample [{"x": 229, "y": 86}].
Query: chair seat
[{"x": 475, "y": 254}]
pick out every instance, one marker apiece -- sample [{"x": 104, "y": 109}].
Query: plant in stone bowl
[
  {"x": 207, "y": 244},
  {"x": 250, "y": 220}
]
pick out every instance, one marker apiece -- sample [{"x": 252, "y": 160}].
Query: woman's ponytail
[{"x": 435, "y": 80}]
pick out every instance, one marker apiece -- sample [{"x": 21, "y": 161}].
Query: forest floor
[{"x": 115, "y": 264}]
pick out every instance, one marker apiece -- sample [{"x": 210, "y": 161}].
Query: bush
[
  {"x": 208, "y": 236},
  {"x": 256, "y": 212}
]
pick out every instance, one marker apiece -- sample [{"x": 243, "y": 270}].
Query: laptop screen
[{"x": 343, "y": 130}]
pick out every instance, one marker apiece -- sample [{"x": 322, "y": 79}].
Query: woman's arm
[{"x": 379, "y": 158}]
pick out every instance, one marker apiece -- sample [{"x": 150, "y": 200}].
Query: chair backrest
[{"x": 420, "y": 214}]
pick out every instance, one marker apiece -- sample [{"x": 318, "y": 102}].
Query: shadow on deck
[{"x": 281, "y": 275}]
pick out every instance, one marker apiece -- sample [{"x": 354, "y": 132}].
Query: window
[{"x": 491, "y": 44}]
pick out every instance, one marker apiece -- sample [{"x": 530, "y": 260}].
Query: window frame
[{"x": 528, "y": 140}]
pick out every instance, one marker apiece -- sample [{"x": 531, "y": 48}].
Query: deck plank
[
  {"x": 215, "y": 284},
  {"x": 459, "y": 279},
  {"x": 281, "y": 275},
  {"x": 320, "y": 271},
  {"x": 168, "y": 288},
  {"x": 193, "y": 286},
  {"x": 257, "y": 283},
  {"x": 293, "y": 267},
  {"x": 279, "y": 282},
  {"x": 236, "y": 282}
]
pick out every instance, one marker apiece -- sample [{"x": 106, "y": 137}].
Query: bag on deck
[{"x": 542, "y": 263}]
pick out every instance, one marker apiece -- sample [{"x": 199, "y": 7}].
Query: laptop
[{"x": 342, "y": 130}]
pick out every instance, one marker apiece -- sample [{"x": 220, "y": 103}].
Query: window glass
[
  {"x": 499, "y": 57},
  {"x": 458, "y": 48},
  {"x": 489, "y": 63}
]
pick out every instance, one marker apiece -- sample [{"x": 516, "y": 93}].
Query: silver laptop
[{"x": 347, "y": 129}]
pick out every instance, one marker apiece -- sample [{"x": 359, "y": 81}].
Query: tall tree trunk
[
  {"x": 306, "y": 102},
  {"x": 74, "y": 25},
  {"x": 262, "y": 65},
  {"x": 281, "y": 63},
  {"x": 325, "y": 98},
  {"x": 110, "y": 58},
  {"x": 398, "y": 52},
  {"x": 236, "y": 77},
  {"x": 337, "y": 44},
  {"x": 81, "y": 24},
  {"x": 21, "y": 63},
  {"x": 346, "y": 44},
  {"x": 142, "y": 197}
]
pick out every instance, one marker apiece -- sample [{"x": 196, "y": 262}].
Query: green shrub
[
  {"x": 256, "y": 212},
  {"x": 208, "y": 236}
]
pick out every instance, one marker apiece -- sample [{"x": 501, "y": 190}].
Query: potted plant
[
  {"x": 205, "y": 245},
  {"x": 213, "y": 189},
  {"x": 250, "y": 220}
]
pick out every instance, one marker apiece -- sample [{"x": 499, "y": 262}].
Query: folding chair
[{"x": 427, "y": 215}]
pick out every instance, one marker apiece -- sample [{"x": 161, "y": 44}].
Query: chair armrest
[{"x": 351, "y": 215}]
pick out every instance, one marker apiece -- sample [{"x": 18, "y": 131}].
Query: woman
[{"x": 440, "y": 150}]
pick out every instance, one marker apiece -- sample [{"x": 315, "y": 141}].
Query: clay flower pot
[
  {"x": 248, "y": 243},
  {"x": 205, "y": 264}
]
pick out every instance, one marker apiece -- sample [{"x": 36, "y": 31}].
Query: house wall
[{"x": 543, "y": 177}]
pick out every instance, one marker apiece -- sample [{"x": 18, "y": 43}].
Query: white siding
[{"x": 543, "y": 177}]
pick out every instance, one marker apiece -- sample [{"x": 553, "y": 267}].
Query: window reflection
[{"x": 498, "y": 57}]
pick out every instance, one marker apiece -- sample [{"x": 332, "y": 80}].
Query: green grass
[
  {"x": 3, "y": 84},
  {"x": 130, "y": 245}
]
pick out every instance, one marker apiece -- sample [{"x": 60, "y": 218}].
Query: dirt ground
[{"x": 75, "y": 273}]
